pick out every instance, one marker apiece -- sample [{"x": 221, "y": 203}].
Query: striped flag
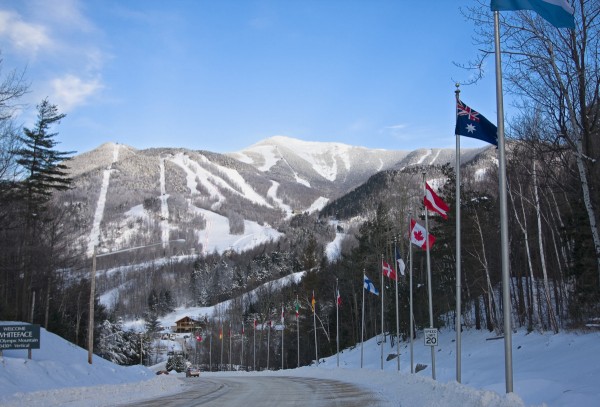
[
  {"x": 313, "y": 302},
  {"x": 559, "y": 13},
  {"x": 434, "y": 203}
]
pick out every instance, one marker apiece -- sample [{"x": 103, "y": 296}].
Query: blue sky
[{"x": 221, "y": 75}]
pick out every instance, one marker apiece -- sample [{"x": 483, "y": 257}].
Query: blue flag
[
  {"x": 470, "y": 123},
  {"x": 369, "y": 286},
  {"x": 559, "y": 13}
]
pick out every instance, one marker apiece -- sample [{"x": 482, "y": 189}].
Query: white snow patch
[
  {"x": 318, "y": 204},
  {"x": 272, "y": 192},
  {"x": 427, "y": 154},
  {"x": 216, "y": 235}
]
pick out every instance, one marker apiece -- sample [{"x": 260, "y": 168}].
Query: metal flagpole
[
  {"x": 210, "y": 352},
  {"x": 242, "y": 352},
  {"x": 397, "y": 267},
  {"x": 382, "y": 333},
  {"x": 230, "y": 365},
  {"x": 268, "y": 344},
  {"x": 298, "y": 329},
  {"x": 337, "y": 321},
  {"x": 410, "y": 300},
  {"x": 362, "y": 323},
  {"x": 506, "y": 304},
  {"x": 458, "y": 311},
  {"x": 314, "y": 307},
  {"x": 429, "y": 281},
  {"x": 254, "y": 347},
  {"x": 282, "y": 329},
  {"x": 221, "y": 339}
]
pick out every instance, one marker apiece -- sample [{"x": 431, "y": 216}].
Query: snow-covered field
[{"x": 552, "y": 370}]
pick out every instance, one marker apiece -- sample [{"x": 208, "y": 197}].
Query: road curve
[{"x": 264, "y": 391}]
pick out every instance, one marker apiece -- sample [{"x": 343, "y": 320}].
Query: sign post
[{"x": 19, "y": 337}]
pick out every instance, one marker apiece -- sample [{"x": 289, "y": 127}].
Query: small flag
[
  {"x": 388, "y": 270},
  {"x": 418, "y": 235},
  {"x": 243, "y": 329},
  {"x": 297, "y": 309},
  {"x": 282, "y": 316},
  {"x": 559, "y": 13},
  {"x": 255, "y": 323},
  {"x": 434, "y": 203},
  {"x": 399, "y": 262},
  {"x": 313, "y": 302},
  {"x": 369, "y": 286},
  {"x": 221, "y": 333},
  {"x": 338, "y": 298},
  {"x": 470, "y": 123}
]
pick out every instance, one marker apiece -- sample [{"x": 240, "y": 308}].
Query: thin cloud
[
  {"x": 24, "y": 37},
  {"x": 71, "y": 91}
]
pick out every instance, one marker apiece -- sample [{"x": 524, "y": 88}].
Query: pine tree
[
  {"x": 44, "y": 172},
  {"x": 44, "y": 166}
]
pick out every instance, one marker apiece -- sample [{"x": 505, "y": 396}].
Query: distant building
[{"x": 187, "y": 324}]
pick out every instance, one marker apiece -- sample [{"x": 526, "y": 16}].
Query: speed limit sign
[{"x": 431, "y": 336}]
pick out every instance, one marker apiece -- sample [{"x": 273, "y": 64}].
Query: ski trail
[
  {"x": 95, "y": 233},
  {"x": 164, "y": 207},
  {"x": 427, "y": 154},
  {"x": 436, "y": 156}
]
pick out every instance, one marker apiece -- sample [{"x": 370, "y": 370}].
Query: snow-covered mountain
[{"x": 126, "y": 196}]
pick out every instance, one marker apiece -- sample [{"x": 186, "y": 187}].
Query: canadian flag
[
  {"x": 388, "y": 270},
  {"x": 419, "y": 236},
  {"x": 434, "y": 203}
]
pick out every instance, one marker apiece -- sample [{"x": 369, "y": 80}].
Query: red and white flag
[
  {"x": 419, "y": 236},
  {"x": 434, "y": 203},
  {"x": 339, "y": 298},
  {"x": 388, "y": 270}
]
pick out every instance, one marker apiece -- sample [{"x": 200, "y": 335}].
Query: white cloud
[
  {"x": 23, "y": 36},
  {"x": 71, "y": 91}
]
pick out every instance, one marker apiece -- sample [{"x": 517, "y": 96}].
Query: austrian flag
[
  {"x": 419, "y": 236},
  {"x": 434, "y": 203}
]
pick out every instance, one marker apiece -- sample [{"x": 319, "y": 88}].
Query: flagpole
[
  {"x": 210, "y": 352},
  {"x": 397, "y": 267},
  {"x": 412, "y": 333},
  {"x": 506, "y": 304},
  {"x": 221, "y": 339},
  {"x": 242, "y": 352},
  {"x": 337, "y": 321},
  {"x": 298, "y": 329},
  {"x": 268, "y": 344},
  {"x": 362, "y": 322},
  {"x": 382, "y": 333},
  {"x": 230, "y": 365},
  {"x": 314, "y": 307},
  {"x": 429, "y": 280},
  {"x": 282, "y": 329},
  {"x": 254, "y": 347},
  {"x": 458, "y": 312}
]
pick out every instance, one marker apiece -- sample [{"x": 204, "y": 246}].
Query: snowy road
[{"x": 265, "y": 391}]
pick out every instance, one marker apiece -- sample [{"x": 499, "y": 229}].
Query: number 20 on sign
[{"x": 431, "y": 336}]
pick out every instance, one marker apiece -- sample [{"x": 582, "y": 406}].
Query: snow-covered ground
[{"x": 552, "y": 370}]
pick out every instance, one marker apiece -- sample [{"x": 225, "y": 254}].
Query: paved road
[{"x": 265, "y": 391}]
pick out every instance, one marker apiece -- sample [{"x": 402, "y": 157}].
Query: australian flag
[{"x": 470, "y": 123}]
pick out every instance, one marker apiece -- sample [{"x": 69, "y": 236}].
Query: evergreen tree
[{"x": 44, "y": 166}]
